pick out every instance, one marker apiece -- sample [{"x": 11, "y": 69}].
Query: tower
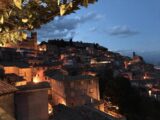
[
  {"x": 134, "y": 54},
  {"x": 34, "y": 38}
]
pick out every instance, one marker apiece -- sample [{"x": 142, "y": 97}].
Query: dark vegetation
[
  {"x": 1, "y": 73},
  {"x": 131, "y": 103},
  {"x": 71, "y": 43}
]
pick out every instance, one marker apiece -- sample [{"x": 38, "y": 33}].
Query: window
[
  {"x": 72, "y": 84},
  {"x": 45, "y": 78},
  {"x": 25, "y": 74},
  {"x": 59, "y": 83},
  {"x": 81, "y": 82},
  {"x": 84, "y": 92},
  {"x": 91, "y": 90},
  {"x": 72, "y": 94},
  {"x": 91, "y": 81}
]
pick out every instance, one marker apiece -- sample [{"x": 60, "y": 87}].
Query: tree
[
  {"x": 19, "y": 16},
  {"x": 131, "y": 103}
]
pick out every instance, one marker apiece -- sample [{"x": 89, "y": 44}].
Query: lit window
[
  {"x": 25, "y": 74},
  {"x": 82, "y": 82},
  {"x": 91, "y": 90},
  {"x": 50, "y": 109}
]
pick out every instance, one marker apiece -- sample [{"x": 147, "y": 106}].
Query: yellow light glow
[
  {"x": 40, "y": 49},
  {"x": 36, "y": 79},
  {"x": 50, "y": 109},
  {"x": 62, "y": 102},
  {"x": 144, "y": 77},
  {"x": 150, "y": 92}
]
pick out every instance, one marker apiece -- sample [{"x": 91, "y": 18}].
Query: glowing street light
[{"x": 150, "y": 92}]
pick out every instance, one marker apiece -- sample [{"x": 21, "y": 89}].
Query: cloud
[
  {"x": 122, "y": 31},
  {"x": 65, "y": 27},
  {"x": 92, "y": 29}
]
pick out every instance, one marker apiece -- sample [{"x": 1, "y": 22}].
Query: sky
[{"x": 119, "y": 25}]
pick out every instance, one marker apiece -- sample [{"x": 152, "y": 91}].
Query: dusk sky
[{"x": 115, "y": 24}]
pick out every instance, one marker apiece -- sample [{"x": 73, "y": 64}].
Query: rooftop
[
  {"x": 33, "y": 86},
  {"x": 6, "y": 88},
  {"x": 16, "y": 64},
  {"x": 63, "y": 77},
  {"x": 80, "y": 113},
  {"x": 11, "y": 77},
  {"x": 77, "y": 77}
]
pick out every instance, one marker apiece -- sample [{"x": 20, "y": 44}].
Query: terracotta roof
[{"x": 6, "y": 88}]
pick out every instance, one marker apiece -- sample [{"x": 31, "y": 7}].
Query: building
[
  {"x": 19, "y": 69},
  {"x": 10, "y": 54},
  {"x": 31, "y": 102},
  {"x": 7, "y": 108},
  {"x": 74, "y": 90}
]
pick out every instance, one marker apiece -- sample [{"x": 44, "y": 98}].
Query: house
[
  {"x": 7, "y": 108},
  {"x": 31, "y": 102},
  {"x": 15, "y": 80},
  {"x": 20, "y": 69},
  {"x": 74, "y": 90}
]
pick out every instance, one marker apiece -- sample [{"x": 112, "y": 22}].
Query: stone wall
[
  {"x": 26, "y": 73},
  {"x": 7, "y": 104},
  {"x": 32, "y": 105},
  {"x": 58, "y": 92},
  {"x": 75, "y": 92},
  {"x": 80, "y": 92}
]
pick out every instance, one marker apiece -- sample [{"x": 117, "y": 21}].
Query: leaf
[
  {"x": 71, "y": 4},
  {"x": 6, "y": 15},
  {"x": 24, "y": 35},
  {"x": 65, "y": 7},
  {"x": 30, "y": 15},
  {"x": 24, "y": 20},
  {"x": 18, "y": 3},
  {"x": 10, "y": 12},
  {"x": 2, "y": 20},
  {"x": 30, "y": 26},
  {"x": 6, "y": 29},
  {"x": 58, "y": 2},
  {"x": 62, "y": 9},
  {"x": 85, "y": 3}
]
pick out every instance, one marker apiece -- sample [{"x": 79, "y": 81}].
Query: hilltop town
[{"x": 59, "y": 79}]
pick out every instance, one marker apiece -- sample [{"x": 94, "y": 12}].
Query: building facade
[{"x": 74, "y": 90}]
